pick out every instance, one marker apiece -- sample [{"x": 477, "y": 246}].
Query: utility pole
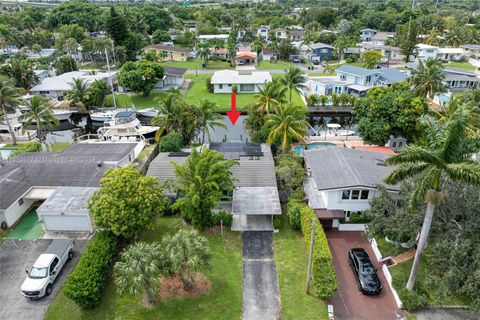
[
  {"x": 111, "y": 81},
  {"x": 113, "y": 54},
  {"x": 310, "y": 255}
]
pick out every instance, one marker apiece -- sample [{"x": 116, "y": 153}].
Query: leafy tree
[
  {"x": 371, "y": 58},
  {"x": 387, "y": 111},
  {"x": 133, "y": 42},
  {"x": 203, "y": 52},
  {"x": 9, "y": 100},
  {"x": 406, "y": 39},
  {"x": 151, "y": 55},
  {"x": 288, "y": 124},
  {"x": 74, "y": 31},
  {"x": 286, "y": 49},
  {"x": 187, "y": 39},
  {"x": 341, "y": 43},
  {"x": 116, "y": 27},
  {"x": 294, "y": 79},
  {"x": 79, "y": 93},
  {"x": 98, "y": 90},
  {"x": 290, "y": 172},
  {"x": 139, "y": 269},
  {"x": 257, "y": 45},
  {"x": 140, "y": 76},
  {"x": 232, "y": 48},
  {"x": 208, "y": 119},
  {"x": 312, "y": 100},
  {"x": 126, "y": 202},
  {"x": 22, "y": 71},
  {"x": 187, "y": 252},
  {"x": 445, "y": 151},
  {"x": 428, "y": 79},
  {"x": 201, "y": 182},
  {"x": 269, "y": 97},
  {"x": 65, "y": 64},
  {"x": 85, "y": 14},
  {"x": 172, "y": 142},
  {"x": 39, "y": 112},
  {"x": 160, "y": 36},
  {"x": 156, "y": 18}
]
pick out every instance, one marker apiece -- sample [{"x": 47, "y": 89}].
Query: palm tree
[
  {"x": 39, "y": 112},
  {"x": 187, "y": 252},
  {"x": 445, "y": 153},
  {"x": 457, "y": 105},
  {"x": 341, "y": 43},
  {"x": 9, "y": 99},
  {"x": 455, "y": 37},
  {"x": 208, "y": 119},
  {"x": 270, "y": 96},
  {"x": 288, "y": 124},
  {"x": 167, "y": 113},
  {"x": 335, "y": 99},
  {"x": 329, "y": 69},
  {"x": 324, "y": 100},
  {"x": 203, "y": 51},
  {"x": 138, "y": 270},
  {"x": 294, "y": 79},
  {"x": 428, "y": 79},
  {"x": 80, "y": 92}
]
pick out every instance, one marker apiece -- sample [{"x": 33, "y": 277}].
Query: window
[
  {"x": 394, "y": 144},
  {"x": 220, "y": 86},
  {"x": 247, "y": 87},
  {"x": 54, "y": 264},
  {"x": 20, "y": 202},
  {"x": 364, "y": 194},
  {"x": 355, "y": 194},
  {"x": 229, "y": 85},
  {"x": 346, "y": 194}
]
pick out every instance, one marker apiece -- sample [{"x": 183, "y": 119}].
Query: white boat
[
  {"x": 102, "y": 116},
  {"x": 126, "y": 124},
  {"x": 149, "y": 112},
  {"x": 16, "y": 128}
]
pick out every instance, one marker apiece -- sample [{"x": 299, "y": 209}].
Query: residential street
[{"x": 261, "y": 299}]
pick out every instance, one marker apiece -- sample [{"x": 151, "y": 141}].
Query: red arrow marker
[{"x": 234, "y": 114}]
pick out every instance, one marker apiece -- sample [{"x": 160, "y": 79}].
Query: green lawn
[
  {"x": 223, "y": 302},
  {"x": 193, "y": 64},
  {"x": 59, "y": 146},
  {"x": 279, "y": 65},
  {"x": 137, "y": 100},
  {"x": 460, "y": 65},
  {"x": 388, "y": 249},
  {"x": 291, "y": 258}
]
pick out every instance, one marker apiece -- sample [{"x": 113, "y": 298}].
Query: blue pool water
[{"x": 313, "y": 145}]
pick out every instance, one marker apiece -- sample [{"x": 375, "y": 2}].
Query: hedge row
[
  {"x": 324, "y": 278},
  {"x": 85, "y": 284}
]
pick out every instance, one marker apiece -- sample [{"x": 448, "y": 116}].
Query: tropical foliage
[
  {"x": 294, "y": 80},
  {"x": 269, "y": 97},
  {"x": 39, "y": 113},
  {"x": 287, "y": 125},
  {"x": 9, "y": 99},
  {"x": 140, "y": 76},
  {"x": 428, "y": 79}
]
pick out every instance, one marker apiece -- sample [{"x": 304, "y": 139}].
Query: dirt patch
[{"x": 172, "y": 287}]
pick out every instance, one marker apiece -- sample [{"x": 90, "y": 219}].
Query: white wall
[
  {"x": 15, "y": 211},
  {"x": 228, "y": 89},
  {"x": 333, "y": 200}
]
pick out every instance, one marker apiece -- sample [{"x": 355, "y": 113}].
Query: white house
[
  {"x": 451, "y": 54},
  {"x": 366, "y": 35},
  {"x": 206, "y": 37},
  {"x": 41, "y": 74},
  {"x": 281, "y": 33},
  {"x": 425, "y": 51},
  {"x": 262, "y": 32},
  {"x": 246, "y": 82},
  {"x": 173, "y": 78},
  {"x": 341, "y": 181},
  {"x": 57, "y": 87},
  {"x": 381, "y": 37}
]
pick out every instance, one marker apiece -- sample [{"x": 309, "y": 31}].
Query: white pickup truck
[{"x": 45, "y": 270}]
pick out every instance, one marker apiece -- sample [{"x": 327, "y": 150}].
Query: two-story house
[
  {"x": 381, "y": 37},
  {"x": 262, "y": 32},
  {"x": 322, "y": 52},
  {"x": 366, "y": 35},
  {"x": 281, "y": 33}
]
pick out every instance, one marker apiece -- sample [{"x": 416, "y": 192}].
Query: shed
[{"x": 66, "y": 210}]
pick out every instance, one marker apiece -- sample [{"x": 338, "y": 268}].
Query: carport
[
  {"x": 253, "y": 208},
  {"x": 66, "y": 210}
]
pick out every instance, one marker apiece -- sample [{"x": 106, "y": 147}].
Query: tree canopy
[{"x": 140, "y": 76}]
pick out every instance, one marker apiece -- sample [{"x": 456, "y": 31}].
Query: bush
[
  {"x": 225, "y": 216},
  {"x": 351, "y": 59},
  {"x": 208, "y": 83},
  {"x": 324, "y": 279},
  {"x": 172, "y": 142},
  {"x": 86, "y": 282},
  {"x": 298, "y": 195},
  {"x": 358, "y": 217},
  {"x": 277, "y": 221},
  {"x": 33, "y": 146},
  {"x": 293, "y": 213},
  {"x": 412, "y": 300}
]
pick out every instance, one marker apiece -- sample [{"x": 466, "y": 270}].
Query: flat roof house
[
  {"x": 246, "y": 82},
  {"x": 342, "y": 180},
  {"x": 169, "y": 52}
]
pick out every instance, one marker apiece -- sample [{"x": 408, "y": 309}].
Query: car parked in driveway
[
  {"x": 364, "y": 271},
  {"x": 45, "y": 270}
]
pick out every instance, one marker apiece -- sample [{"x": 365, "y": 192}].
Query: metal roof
[
  {"x": 67, "y": 200},
  {"x": 357, "y": 71},
  {"x": 175, "y": 71}
]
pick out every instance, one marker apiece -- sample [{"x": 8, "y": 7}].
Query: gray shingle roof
[
  {"x": 320, "y": 45},
  {"x": 390, "y": 75},
  {"x": 335, "y": 168},
  {"x": 175, "y": 71},
  {"x": 13, "y": 182},
  {"x": 358, "y": 71}
]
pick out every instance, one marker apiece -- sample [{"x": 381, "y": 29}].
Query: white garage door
[{"x": 67, "y": 223}]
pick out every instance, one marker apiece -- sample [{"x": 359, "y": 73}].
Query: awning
[
  {"x": 325, "y": 214},
  {"x": 39, "y": 193},
  {"x": 358, "y": 87}
]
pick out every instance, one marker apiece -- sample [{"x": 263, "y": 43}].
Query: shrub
[
  {"x": 226, "y": 217},
  {"x": 351, "y": 59},
  {"x": 277, "y": 221},
  {"x": 33, "y": 146},
  {"x": 172, "y": 142},
  {"x": 358, "y": 217},
  {"x": 208, "y": 83},
  {"x": 324, "y": 280},
  {"x": 412, "y": 300},
  {"x": 293, "y": 212},
  {"x": 86, "y": 282}
]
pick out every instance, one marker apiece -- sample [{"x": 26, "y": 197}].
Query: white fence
[
  {"x": 351, "y": 227},
  {"x": 388, "y": 276}
]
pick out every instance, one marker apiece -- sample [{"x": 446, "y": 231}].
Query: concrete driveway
[
  {"x": 348, "y": 302},
  {"x": 16, "y": 257},
  {"x": 261, "y": 299}
]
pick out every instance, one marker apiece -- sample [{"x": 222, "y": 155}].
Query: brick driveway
[{"x": 348, "y": 303}]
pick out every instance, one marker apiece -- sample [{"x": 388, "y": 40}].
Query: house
[
  {"x": 473, "y": 50},
  {"x": 342, "y": 181},
  {"x": 296, "y": 34},
  {"x": 381, "y": 37},
  {"x": 459, "y": 80},
  {"x": 322, "y": 52},
  {"x": 44, "y": 53},
  {"x": 451, "y": 54},
  {"x": 254, "y": 199},
  {"x": 41, "y": 74},
  {"x": 34, "y": 176},
  {"x": 425, "y": 51},
  {"x": 219, "y": 53},
  {"x": 207, "y": 37},
  {"x": 268, "y": 54},
  {"x": 351, "y": 52},
  {"x": 389, "y": 53},
  {"x": 173, "y": 78},
  {"x": 262, "y": 32},
  {"x": 281, "y": 33},
  {"x": 57, "y": 87},
  {"x": 245, "y": 58},
  {"x": 169, "y": 52},
  {"x": 246, "y": 82},
  {"x": 366, "y": 35}
]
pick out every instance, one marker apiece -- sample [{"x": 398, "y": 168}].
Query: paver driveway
[
  {"x": 16, "y": 257},
  {"x": 348, "y": 302},
  {"x": 261, "y": 299}
]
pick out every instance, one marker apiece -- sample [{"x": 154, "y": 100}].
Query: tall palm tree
[
  {"x": 270, "y": 96},
  {"x": 208, "y": 119},
  {"x": 341, "y": 43},
  {"x": 458, "y": 105},
  {"x": 203, "y": 51},
  {"x": 167, "y": 113},
  {"x": 39, "y": 112},
  {"x": 138, "y": 270},
  {"x": 444, "y": 153},
  {"x": 288, "y": 125},
  {"x": 9, "y": 99},
  {"x": 428, "y": 79},
  {"x": 80, "y": 92},
  {"x": 294, "y": 79},
  {"x": 455, "y": 37}
]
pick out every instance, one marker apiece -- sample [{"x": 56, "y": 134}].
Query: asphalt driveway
[
  {"x": 261, "y": 299},
  {"x": 16, "y": 257},
  {"x": 348, "y": 302}
]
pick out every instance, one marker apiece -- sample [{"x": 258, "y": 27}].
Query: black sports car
[{"x": 365, "y": 272}]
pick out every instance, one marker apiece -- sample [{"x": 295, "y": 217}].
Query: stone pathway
[
  {"x": 260, "y": 295},
  {"x": 407, "y": 255}
]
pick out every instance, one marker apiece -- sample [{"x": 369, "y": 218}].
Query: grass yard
[
  {"x": 460, "y": 65},
  {"x": 137, "y": 100},
  {"x": 223, "y": 302},
  {"x": 388, "y": 249},
  {"x": 193, "y": 64},
  {"x": 279, "y": 65},
  {"x": 291, "y": 258},
  {"x": 59, "y": 146}
]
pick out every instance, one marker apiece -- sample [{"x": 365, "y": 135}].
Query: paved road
[
  {"x": 261, "y": 299},
  {"x": 16, "y": 257}
]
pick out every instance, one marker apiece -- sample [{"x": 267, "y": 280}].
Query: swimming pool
[{"x": 313, "y": 145}]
